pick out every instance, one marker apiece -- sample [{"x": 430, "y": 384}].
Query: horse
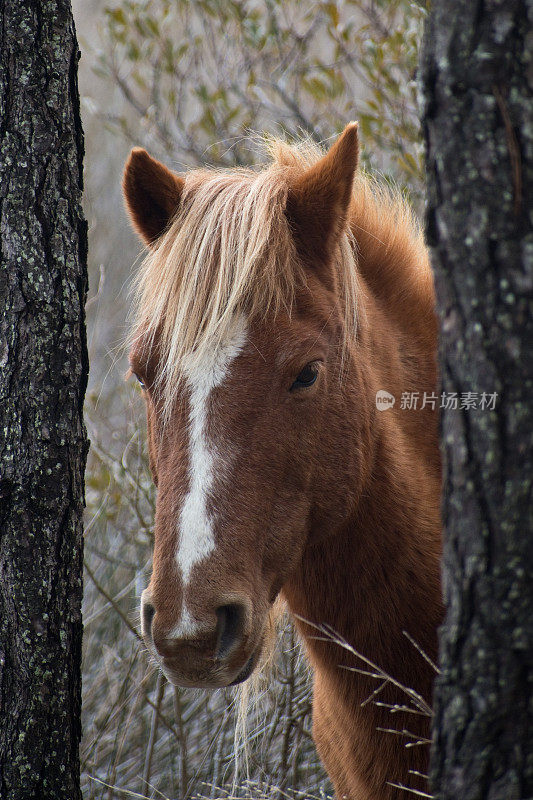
[{"x": 275, "y": 308}]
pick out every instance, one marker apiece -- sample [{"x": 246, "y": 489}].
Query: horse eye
[
  {"x": 141, "y": 382},
  {"x": 306, "y": 377}
]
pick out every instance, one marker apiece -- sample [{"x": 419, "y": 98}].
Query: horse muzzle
[{"x": 201, "y": 655}]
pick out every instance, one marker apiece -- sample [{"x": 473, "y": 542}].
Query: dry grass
[{"x": 414, "y": 702}]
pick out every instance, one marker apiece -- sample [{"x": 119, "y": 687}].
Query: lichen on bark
[
  {"x": 43, "y": 360},
  {"x": 477, "y": 89}
]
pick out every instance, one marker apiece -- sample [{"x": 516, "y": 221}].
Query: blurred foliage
[
  {"x": 199, "y": 77},
  {"x": 201, "y": 82}
]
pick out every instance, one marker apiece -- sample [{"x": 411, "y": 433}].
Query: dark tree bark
[
  {"x": 477, "y": 82},
  {"x": 43, "y": 373}
]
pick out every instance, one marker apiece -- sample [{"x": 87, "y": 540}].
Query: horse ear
[
  {"x": 318, "y": 201},
  {"x": 152, "y": 194}
]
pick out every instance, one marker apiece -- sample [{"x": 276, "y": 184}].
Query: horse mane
[{"x": 229, "y": 250}]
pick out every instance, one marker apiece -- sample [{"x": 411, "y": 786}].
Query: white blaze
[{"x": 195, "y": 526}]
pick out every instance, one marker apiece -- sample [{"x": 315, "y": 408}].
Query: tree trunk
[
  {"x": 43, "y": 360},
  {"x": 477, "y": 81}
]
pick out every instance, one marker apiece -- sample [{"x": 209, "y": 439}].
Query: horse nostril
[
  {"x": 229, "y": 628},
  {"x": 148, "y": 613}
]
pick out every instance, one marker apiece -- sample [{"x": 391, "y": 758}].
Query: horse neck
[
  {"x": 379, "y": 574},
  {"x": 372, "y": 580}
]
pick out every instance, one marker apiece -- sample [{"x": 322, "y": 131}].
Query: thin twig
[
  {"x": 111, "y": 601},
  {"x": 408, "y": 789},
  {"x": 407, "y": 734},
  {"x": 422, "y": 652},
  {"x": 160, "y": 692},
  {"x": 374, "y": 694},
  {"x": 335, "y": 638},
  {"x": 394, "y": 708}
]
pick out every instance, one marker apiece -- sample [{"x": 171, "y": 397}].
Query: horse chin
[
  {"x": 184, "y": 683},
  {"x": 218, "y": 680}
]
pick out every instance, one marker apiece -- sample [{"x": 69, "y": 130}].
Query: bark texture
[
  {"x": 43, "y": 373},
  {"x": 477, "y": 86}
]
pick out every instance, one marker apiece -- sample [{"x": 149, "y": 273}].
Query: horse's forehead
[
  {"x": 264, "y": 343},
  {"x": 205, "y": 373},
  {"x": 249, "y": 352}
]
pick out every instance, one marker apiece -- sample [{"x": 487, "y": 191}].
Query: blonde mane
[{"x": 229, "y": 250}]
